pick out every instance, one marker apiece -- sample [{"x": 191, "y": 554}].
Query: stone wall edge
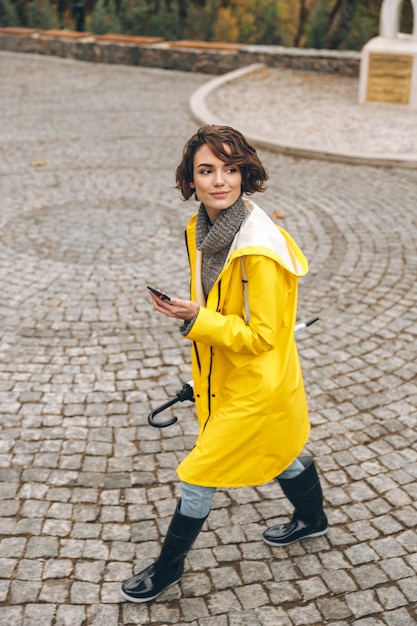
[{"x": 215, "y": 62}]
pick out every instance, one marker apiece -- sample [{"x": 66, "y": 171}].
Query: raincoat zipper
[{"x": 211, "y": 361}]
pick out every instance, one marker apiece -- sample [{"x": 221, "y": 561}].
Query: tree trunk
[
  {"x": 302, "y": 19},
  {"x": 339, "y": 18}
]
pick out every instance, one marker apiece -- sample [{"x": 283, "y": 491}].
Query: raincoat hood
[{"x": 259, "y": 231}]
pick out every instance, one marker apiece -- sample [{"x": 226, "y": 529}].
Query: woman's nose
[{"x": 219, "y": 180}]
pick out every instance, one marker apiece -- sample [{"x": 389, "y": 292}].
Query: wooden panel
[{"x": 389, "y": 78}]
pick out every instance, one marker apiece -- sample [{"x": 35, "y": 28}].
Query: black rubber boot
[
  {"x": 305, "y": 494},
  {"x": 167, "y": 570}
]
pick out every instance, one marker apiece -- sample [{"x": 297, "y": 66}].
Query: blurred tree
[
  {"x": 302, "y": 19},
  {"x": 104, "y": 18},
  {"x": 259, "y": 22},
  {"x": 338, "y": 24},
  {"x": 316, "y": 27},
  {"x": 200, "y": 19},
  {"x": 165, "y": 20},
  {"x": 21, "y": 9},
  {"x": 132, "y": 15},
  {"x": 61, "y": 7},
  {"x": 40, "y": 14},
  {"x": 8, "y": 14},
  {"x": 226, "y": 25},
  {"x": 160, "y": 18},
  {"x": 248, "y": 21},
  {"x": 269, "y": 24}
]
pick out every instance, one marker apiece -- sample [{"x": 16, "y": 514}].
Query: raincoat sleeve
[{"x": 268, "y": 290}]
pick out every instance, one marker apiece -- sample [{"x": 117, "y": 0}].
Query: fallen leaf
[{"x": 278, "y": 215}]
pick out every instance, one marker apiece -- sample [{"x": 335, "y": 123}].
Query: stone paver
[{"x": 88, "y": 217}]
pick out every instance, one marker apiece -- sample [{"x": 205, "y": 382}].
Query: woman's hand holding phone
[{"x": 172, "y": 307}]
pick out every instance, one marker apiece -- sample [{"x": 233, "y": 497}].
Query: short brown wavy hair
[{"x": 242, "y": 155}]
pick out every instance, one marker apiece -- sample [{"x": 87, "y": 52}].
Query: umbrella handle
[
  {"x": 151, "y": 416},
  {"x": 186, "y": 393}
]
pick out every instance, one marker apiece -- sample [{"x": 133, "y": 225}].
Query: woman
[{"x": 248, "y": 385}]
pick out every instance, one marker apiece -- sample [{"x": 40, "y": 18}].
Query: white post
[
  {"x": 388, "y": 70},
  {"x": 389, "y": 19}
]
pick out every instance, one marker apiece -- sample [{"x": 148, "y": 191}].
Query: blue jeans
[{"x": 196, "y": 500}]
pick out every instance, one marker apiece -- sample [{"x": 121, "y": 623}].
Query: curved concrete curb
[
  {"x": 202, "y": 115},
  {"x": 198, "y": 109}
]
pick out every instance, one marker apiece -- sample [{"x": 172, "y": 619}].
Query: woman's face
[{"x": 217, "y": 184}]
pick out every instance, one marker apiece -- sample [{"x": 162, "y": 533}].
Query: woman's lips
[{"x": 220, "y": 194}]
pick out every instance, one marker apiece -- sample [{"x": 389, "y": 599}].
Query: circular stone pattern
[{"x": 107, "y": 232}]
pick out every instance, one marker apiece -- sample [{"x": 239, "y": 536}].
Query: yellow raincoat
[{"x": 248, "y": 385}]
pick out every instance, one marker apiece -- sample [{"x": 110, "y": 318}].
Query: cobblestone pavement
[
  {"x": 88, "y": 217},
  {"x": 316, "y": 111}
]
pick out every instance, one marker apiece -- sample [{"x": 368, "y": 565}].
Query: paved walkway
[
  {"x": 88, "y": 217},
  {"x": 312, "y": 114}
]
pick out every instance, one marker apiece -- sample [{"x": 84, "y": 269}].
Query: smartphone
[{"x": 159, "y": 293}]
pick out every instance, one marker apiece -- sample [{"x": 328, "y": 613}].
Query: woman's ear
[{"x": 192, "y": 185}]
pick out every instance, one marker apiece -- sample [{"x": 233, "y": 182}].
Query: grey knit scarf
[{"x": 214, "y": 240}]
